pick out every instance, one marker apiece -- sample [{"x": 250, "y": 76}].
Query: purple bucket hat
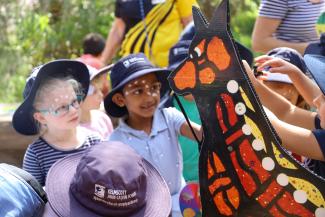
[{"x": 109, "y": 179}]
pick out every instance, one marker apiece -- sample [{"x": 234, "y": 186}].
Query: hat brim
[
  {"x": 278, "y": 77},
  {"x": 23, "y": 120},
  {"x": 117, "y": 111},
  {"x": 101, "y": 71},
  {"x": 316, "y": 66},
  {"x": 63, "y": 203}
]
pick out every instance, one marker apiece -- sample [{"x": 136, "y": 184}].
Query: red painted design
[
  {"x": 288, "y": 204},
  {"x": 246, "y": 180},
  {"x": 234, "y": 136},
  {"x": 275, "y": 212},
  {"x": 230, "y": 106},
  {"x": 220, "y": 118},
  {"x": 268, "y": 195},
  {"x": 251, "y": 160}
]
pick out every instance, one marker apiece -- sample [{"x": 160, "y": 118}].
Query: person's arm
[
  {"x": 186, "y": 130},
  {"x": 114, "y": 40},
  {"x": 186, "y": 20},
  {"x": 263, "y": 39},
  {"x": 280, "y": 106},
  {"x": 296, "y": 139},
  {"x": 305, "y": 86}
]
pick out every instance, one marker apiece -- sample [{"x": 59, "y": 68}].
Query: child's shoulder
[
  {"x": 39, "y": 142},
  {"x": 170, "y": 113}
]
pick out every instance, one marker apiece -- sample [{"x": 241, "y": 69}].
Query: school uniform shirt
[
  {"x": 315, "y": 165},
  {"x": 161, "y": 147},
  {"x": 189, "y": 147},
  {"x": 40, "y": 156},
  {"x": 152, "y": 27},
  {"x": 298, "y": 18}
]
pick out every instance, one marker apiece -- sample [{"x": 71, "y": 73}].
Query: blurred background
[{"x": 36, "y": 31}]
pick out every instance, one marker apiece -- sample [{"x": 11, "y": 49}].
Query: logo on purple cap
[{"x": 99, "y": 191}]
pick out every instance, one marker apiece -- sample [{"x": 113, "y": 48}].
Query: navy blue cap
[
  {"x": 317, "y": 47},
  {"x": 316, "y": 66},
  {"x": 109, "y": 179},
  {"x": 126, "y": 70},
  {"x": 290, "y": 55},
  {"x": 23, "y": 120}
]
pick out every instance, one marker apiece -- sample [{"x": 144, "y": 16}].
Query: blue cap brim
[
  {"x": 117, "y": 111},
  {"x": 316, "y": 66}
]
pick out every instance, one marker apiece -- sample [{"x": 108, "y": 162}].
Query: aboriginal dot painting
[{"x": 244, "y": 171}]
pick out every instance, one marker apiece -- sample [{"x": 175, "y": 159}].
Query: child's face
[
  {"x": 141, "y": 96},
  {"x": 288, "y": 91},
  {"x": 60, "y": 110},
  {"x": 94, "y": 98},
  {"x": 319, "y": 102}
]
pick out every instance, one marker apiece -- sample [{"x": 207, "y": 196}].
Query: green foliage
[
  {"x": 242, "y": 16},
  {"x": 43, "y": 30}
]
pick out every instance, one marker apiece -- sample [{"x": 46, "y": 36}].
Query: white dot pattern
[
  {"x": 232, "y": 86},
  {"x": 268, "y": 163}
]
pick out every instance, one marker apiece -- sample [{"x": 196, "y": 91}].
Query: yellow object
[
  {"x": 281, "y": 160},
  {"x": 163, "y": 26},
  {"x": 313, "y": 194}
]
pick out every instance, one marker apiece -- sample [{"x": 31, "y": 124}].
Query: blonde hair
[{"x": 47, "y": 87}]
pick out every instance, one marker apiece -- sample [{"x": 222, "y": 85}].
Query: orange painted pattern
[
  {"x": 210, "y": 170},
  {"x": 218, "y": 54},
  {"x": 223, "y": 208},
  {"x": 233, "y": 196},
  {"x": 201, "y": 45},
  {"x": 185, "y": 78},
  {"x": 207, "y": 76},
  {"x": 218, "y": 164},
  {"x": 218, "y": 183}
]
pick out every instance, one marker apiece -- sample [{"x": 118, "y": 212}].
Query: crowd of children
[{"x": 136, "y": 168}]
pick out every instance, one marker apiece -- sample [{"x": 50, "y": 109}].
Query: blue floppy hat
[
  {"x": 126, "y": 70},
  {"x": 22, "y": 120},
  {"x": 316, "y": 66}
]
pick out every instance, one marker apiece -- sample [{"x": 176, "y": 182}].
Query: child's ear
[
  {"x": 39, "y": 117},
  {"x": 118, "y": 99}
]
